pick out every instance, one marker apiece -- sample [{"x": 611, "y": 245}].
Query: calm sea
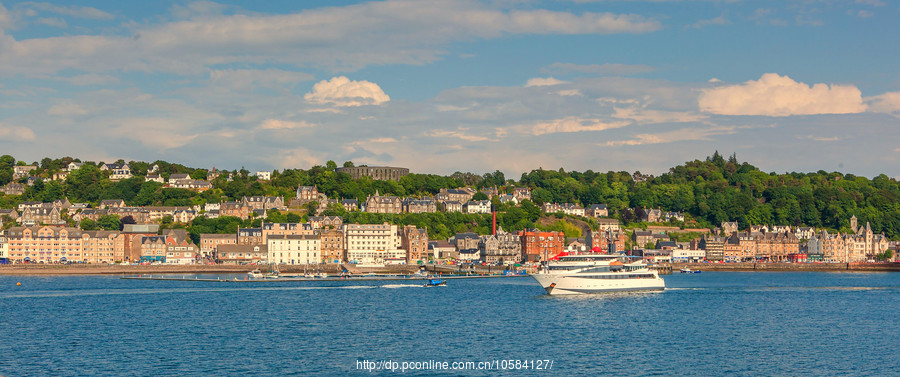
[{"x": 708, "y": 324}]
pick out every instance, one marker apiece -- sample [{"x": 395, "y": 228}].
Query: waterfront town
[{"x": 54, "y": 232}]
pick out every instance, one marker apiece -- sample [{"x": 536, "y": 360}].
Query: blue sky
[{"x": 444, "y": 86}]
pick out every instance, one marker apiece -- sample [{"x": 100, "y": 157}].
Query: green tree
[
  {"x": 88, "y": 224},
  {"x": 109, "y": 222},
  {"x": 311, "y": 207},
  {"x": 480, "y": 196}
]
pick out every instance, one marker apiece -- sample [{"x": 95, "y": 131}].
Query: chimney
[{"x": 494, "y": 223}]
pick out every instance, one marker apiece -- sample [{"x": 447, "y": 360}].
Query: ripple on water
[{"x": 709, "y": 324}]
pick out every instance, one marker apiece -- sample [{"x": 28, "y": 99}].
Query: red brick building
[{"x": 538, "y": 245}]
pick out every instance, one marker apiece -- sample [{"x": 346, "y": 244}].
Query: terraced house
[{"x": 44, "y": 244}]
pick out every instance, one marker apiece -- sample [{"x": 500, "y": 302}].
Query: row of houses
[
  {"x": 323, "y": 239},
  {"x": 55, "y": 244}
]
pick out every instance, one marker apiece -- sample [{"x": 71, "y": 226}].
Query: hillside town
[{"x": 43, "y": 232}]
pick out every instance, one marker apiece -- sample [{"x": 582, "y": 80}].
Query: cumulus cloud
[
  {"x": 684, "y": 134},
  {"x": 573, "y": 124},
  {"x": 885, "y": 103},
  {"x": 544, "y": 81},
  {"x": 343, "y": 92},
  {"x": 775, "y": 95},
  {"x": 15, "y": 133},
  {"x": 599, "y": 69}
]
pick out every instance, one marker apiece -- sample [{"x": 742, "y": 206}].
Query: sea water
[{"x": 713, "y": 323}]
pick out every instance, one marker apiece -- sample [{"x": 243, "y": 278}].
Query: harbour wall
[{"x": 788, "y": 266}]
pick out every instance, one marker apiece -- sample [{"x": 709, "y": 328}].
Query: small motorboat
[
  {"x": 435, "y": 282},
  {"x": 689, "y": 271},
  {"x": 255, "y": 274}
]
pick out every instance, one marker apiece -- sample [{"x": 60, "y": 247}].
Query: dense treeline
[{"x": 708, "y": 191}]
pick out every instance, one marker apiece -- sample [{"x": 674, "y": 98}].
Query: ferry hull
[{"x": 556, "y": 284}]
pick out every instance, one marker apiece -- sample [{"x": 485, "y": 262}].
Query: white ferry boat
[{"x": 596, "y": 273}]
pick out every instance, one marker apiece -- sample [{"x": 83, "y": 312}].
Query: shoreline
[
  {"x": 74, "y": 269},
  {"x": 787, "y": 267}
]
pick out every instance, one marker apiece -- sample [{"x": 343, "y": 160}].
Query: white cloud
[
  {"x": 5, "y": 19},
  {"x": 15, "y": 133},
  {"x": 90, "y": 79},
  {"x": 884, "y": 103},
  {"x": 821, "y": 138},
  {"x": 343, "y": 92},
  {"x": 684, "y": 134},
  {"x": 334, "y": 38},
  {"x": 599, "y": 69},
  {"x": 67, "y": 109},
  {"x": 296, "y": 158},
  {"x": 462, "y": 133},
  {"x": 158, "y": 133},
  {"x": 246, "y": 78},
  {"x": 774, "y": 95},
  {"x": 864, "y": 14},
  {"x": 573, "y": 124},
  {"x": 644, "y": 116},
  {"x": 74, "y": 11},
  {"x": 275, "y": 124},
  {"x": 569, "y": 93},
  {"x": 542, "y": 81}
]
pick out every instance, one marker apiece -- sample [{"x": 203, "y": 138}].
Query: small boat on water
[
  {"x": 689, "y": 271},
  {"x": 255, "y": 274},
  {"x": 435, "y": 282}
]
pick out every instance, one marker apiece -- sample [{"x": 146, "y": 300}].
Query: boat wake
[{"x": 393, "y": 286}]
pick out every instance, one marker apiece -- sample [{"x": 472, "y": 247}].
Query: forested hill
[{"x": 709, "y": 191}]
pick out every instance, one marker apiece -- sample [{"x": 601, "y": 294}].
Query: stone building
[
  {"x": 383, "y": 173},
  {"x": 415, "y": 242},
  {"x": 384, "y": 204}
]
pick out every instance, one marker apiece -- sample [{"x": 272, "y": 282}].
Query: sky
[{"x": 445, "y": 86}]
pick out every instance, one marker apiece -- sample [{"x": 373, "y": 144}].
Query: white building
[
  {"x": 478, "y": 206},
  {"x": 294, "y": 249},
  {"x": 679, "y": 255},
  {"x": 4, "y": 249},
  {"x": 372, "y": 243},
  {"x": 263, "y": 175},
  {"x": 117, "y": 171}
]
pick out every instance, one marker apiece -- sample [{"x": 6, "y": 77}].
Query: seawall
[{"x": 788, "y": 266}]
